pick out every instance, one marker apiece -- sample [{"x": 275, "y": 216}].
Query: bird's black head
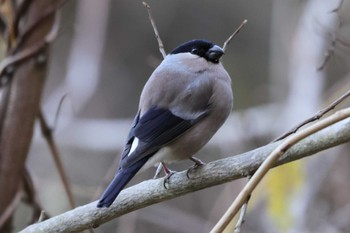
[{"x": 201, "y": 48}]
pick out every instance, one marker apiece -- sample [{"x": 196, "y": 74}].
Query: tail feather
[{"x": 120, "y": 180}]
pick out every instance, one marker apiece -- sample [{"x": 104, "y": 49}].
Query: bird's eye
[{"x": 194, "y": 51}]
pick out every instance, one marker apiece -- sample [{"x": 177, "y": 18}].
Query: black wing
[{"x": 156, "y": 128}]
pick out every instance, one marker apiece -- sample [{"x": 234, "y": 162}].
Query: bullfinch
[{"x": 185, "y": 101}]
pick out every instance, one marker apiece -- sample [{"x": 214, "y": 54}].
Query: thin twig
[
  {"x": 42, "y": 216},
  {"x": 160, "y": 43},
  {"x": 242, "y": 215},
  {"x": 270, "y": 162},
  {"x": 158, "y": 171},
  {"x": 227, "y": 42},
  {"x": 241, "y": 218},
  {"x": 47, "y": 133},
  {"x": 317, "y": 116},
  {"x": 162, "y": 51},
  {"x": 60, "y": 104}
]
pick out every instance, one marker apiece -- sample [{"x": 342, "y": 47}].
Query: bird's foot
[
  {"x": 167, "y": 178},
  {"x": 197, "y": 163},
  {"x": 168, "y": 173}
]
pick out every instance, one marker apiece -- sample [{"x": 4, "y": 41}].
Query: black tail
[{"x": 120, "y": 180}]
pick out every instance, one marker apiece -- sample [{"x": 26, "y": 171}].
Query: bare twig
[
  {"x": 60, "y": 104},
  {"x": 227, "y": 42},
  {"x": 213, "y": 173},
  {"x": 158, "y": 171},
  {"x": 161, "y": 50},
  {"x": 242, "y": 215},
  {"x": 47, "y": 133},
  {"x": 160, "y": 43},
  {"x": 241, "y": 218},
  {"x": 269, "y": 163},
  {"x": 42, "y": 216},
  {"x": 317, "y": 116}
]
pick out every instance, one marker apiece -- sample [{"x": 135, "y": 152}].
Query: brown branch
[
  {"x": 227, "y": 42},
  {"x": 160, "y": 43},
  {"x": 47, "y": 134},
  {"x": 317, "y": 116},
  {"x": 271, "y": 161},
  {"x": 21, "y": 98}
]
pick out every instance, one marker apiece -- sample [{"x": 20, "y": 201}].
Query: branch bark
[{"x": 214, "y": 173}]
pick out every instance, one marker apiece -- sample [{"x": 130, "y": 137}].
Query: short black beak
[{"x": 214, "y": 53}]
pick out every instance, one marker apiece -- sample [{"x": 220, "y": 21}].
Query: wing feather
[{"x": 156, "y": 128}]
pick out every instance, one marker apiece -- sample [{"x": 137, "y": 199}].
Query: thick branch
[
  {"x": 217, "y": 172},
  {"x": 21, "y": 97}
]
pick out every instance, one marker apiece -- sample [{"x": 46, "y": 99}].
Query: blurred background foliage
[{"x": 105, "y": 52}]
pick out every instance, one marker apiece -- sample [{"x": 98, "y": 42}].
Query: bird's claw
[
  {"x": 167, "y": 178},
  {"x": 197, "y": 164}
]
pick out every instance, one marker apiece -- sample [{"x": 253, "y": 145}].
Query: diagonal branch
[
  {"x": 156, "y": 33},
  {"x": 47, "y": 134},
  {"x": 317, "y": 116},
  {"x": 227, "y": 42},
  {"x": 269, "y": 163},
  {"x": 214, "y": 173}
]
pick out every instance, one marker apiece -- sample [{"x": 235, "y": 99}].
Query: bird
[{"x": 185, "y": 101}]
